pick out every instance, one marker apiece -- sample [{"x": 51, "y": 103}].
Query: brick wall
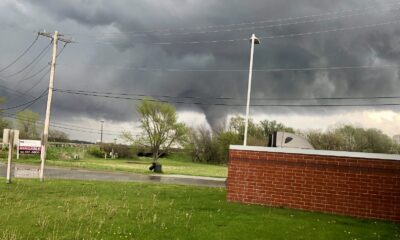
[{"x": 348, "y": 185}]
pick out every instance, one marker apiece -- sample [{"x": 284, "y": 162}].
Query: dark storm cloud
[{"x": 370, "y": 46}]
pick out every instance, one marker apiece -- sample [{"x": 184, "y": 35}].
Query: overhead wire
[
  {"x": 44, "y": 75},
  {"x": 262, "y": 27},
  {"x": 224, "y": 98},
  {"x": 37, "y": 82},
  {"x": 169, "y": 30},
  {"x": 32, "y": 62},
  {"x": 224, "y": 104},
  {"x": 13, "y": 91},
  {"x": 58, "y": 126},
  {"x": 21, "y": 55},
  {"x": 26, "y": 103},
  {"x": 274, "y": 36},
  {"x": 146, "y": 69}
]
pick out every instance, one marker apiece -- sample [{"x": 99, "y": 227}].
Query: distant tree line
[
  {"x": 353, "y": 139},
  {"x": 161, "y": 131},
  {"x": 27, "y": 122},
  {"x": 209, "y": 146},
  {"x": 213, "y": 146}
]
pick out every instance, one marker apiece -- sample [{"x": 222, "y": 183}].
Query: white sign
[
  {"x": 26, "y": 172},
  {"x": 6, "y": 134},
  {"x": 29, "y": 146}
]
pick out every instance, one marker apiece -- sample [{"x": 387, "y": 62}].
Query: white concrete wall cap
[{"x": 318, "y": 152}]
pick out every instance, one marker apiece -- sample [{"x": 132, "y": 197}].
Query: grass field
[
  {"x": 101, "y": 210},
  {"x": 178, "y": 163}
]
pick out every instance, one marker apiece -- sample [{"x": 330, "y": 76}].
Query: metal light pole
[
  {"x": 254, "y": 40},
  {"x": 101, "y": 134}
]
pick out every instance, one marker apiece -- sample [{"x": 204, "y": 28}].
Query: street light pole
[
  {"x": 254, "y": 40},
  {"x": 101, "y": 134}
]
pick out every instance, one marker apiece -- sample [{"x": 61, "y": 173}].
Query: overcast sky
[{"x": 118, "y": 50}]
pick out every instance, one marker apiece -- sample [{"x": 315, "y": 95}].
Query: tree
[
  {"x": 258, "y": 133},
  {"x": 353, "y": 139},
  {"x": 268, "y": 127},
  {"x": 27, "y": 122},
  {"x": 3, "y": 123},
  {"x": 202, "y": 145},
  {"x": 58, "y": 136},
  {"x": 160, "y": 126}
]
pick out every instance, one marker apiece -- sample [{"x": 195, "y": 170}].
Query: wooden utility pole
[
  {"x": 10, "y": 154},
  {"x": 55, "y": 38}
]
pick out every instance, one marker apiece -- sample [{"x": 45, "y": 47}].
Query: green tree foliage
[
  {"x": 268, "y": 127},
  {"x": 257, "y": 133},
  {"x": 3, "y": 123},
  {"x": 213, "y": 147},
  {"x": 58, "y": 136},
  {"x": 354, "y": 139},
  {"x": 119, "y": 150},
  {"x": 160, "y": 126},
  {"x": 27, "y": 123},
  {"x": 201, "y": 145}
]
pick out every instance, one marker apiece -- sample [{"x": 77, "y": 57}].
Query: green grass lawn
[
  {"x": 178, "y": 163},
  {"x": 59, "y": 209}
]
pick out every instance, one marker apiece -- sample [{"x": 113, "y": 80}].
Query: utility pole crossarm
[{"x": 50, "y": 35}]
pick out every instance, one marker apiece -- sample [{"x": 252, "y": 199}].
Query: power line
[
  {"x": 145, "y": 69},
  {"x": 226, "y": 104},
  {"x": 224, "y": 98},
  {"x": 44, "y": 75},
  {"x": 58, "y": 126},
  {"x": 245, "y": 23},
  {"x": 33, "y": 75},
  {"x": 25, "y": 93},
  {"x": 55, "y": 124},
  {"x": 13, "y": 90},
  {"x": 37, "y": 83},
  {"x": 265, "y": 37},
  {"x": 85, "y": 128},
  {"x": 21, "y": 55},
  {"x": 27, "y": 103},
  {"x": 259, "y": 27},
  {"x": 32, "y": 62}
]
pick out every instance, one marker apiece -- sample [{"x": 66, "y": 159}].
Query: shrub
[
  {"x": 122, "y": 151},
  {"x": 95, "y": 151},
  {"x": 202, "y": 146},
  {"x": 207, "y": 147},
  {"x": 224, "y": 139},
  {"x": 65, "y": 153}
]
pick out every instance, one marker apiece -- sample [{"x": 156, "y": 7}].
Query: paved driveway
[{"x": 92, "y": 175}]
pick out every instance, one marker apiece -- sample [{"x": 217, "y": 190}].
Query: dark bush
[
  {"x": 122, "y": 151},
  {"x": 95, "y": 151}
]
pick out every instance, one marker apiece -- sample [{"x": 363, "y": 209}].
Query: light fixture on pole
[{"x": 254, "y": 40}]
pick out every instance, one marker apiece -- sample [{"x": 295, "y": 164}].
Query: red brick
[{"x": 358, "y": 187}]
